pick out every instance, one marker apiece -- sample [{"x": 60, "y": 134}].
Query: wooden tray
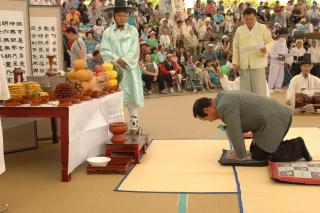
[{"x": 115, "y": 166}]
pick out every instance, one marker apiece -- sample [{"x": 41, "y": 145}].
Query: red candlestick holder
[{"x": 51, "y": 71}]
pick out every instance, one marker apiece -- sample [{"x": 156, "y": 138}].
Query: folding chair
[{"x": 193, "y": 79}]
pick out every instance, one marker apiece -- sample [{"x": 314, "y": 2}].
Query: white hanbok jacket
[{"x": 299, "y": 84}]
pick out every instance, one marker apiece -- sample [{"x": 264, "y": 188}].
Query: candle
[{"x": 50, "y": 45}]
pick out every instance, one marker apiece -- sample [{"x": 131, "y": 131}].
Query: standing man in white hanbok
[
  {"x": 304, "y": 82},
  {"x": 277, "y": 56},
  {"x": 251, "y": 45},
  {"x": 4, "y": 95},
  {"x": 120, "y": 44}
]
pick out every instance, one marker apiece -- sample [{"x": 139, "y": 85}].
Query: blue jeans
[{"x": 287, "y": 75}]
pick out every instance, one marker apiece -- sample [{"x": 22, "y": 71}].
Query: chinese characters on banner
[
  {"x": 12, "y": 41},
  {"x": 44, "y": 42}
]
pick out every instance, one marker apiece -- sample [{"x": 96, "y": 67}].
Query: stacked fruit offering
[
  {"x": 112, "y": 83},
  {"x": 65, "y": 93},
  {"x": 82, "y": 74},
  {"x": 16, "y": 91},
  {"x": 78, "y": 91}
]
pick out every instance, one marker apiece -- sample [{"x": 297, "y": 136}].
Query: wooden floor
[{"x": 31, "y": 183}]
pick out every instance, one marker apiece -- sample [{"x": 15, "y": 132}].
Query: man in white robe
[
  {"x": 304, "y": 82},
  {"x": 251, "y": 44},
  {"x": 120, "y": 44}
]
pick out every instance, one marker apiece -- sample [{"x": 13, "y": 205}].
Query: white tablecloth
[
  {"x": 88, "y": 123},
  {"x": 88, "y": 132}
]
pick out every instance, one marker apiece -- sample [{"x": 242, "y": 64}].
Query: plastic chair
[{"x": 192, "y": 78}]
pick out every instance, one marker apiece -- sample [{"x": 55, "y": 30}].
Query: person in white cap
[
  {"x": 251, "y": 44},
  {"x": 210, "y": 53},
  {"x": 170, "y": 71},
  {"x": 225, "y": 47},
  {"x": 4, "y": 95},
  {"x": 153, "y": 41}
]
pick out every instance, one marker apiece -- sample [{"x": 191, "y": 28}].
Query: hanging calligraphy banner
[
  {"x": 12, "y": 41},
  {"x": 45, "y": 38},
  {"x": 44, "y": 42}
]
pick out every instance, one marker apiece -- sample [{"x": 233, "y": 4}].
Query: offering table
[{"x": 83, "y": 126}]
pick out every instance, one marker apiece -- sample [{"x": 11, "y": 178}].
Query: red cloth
[{"x": 70, "y": 42}]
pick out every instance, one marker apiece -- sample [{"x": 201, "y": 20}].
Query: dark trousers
[
  {"x": 148, "y": 80},
  {"x": 295, "y": 69},
  {"x": 160, "y": 79},
  {"x": 288, "y": 150},
  {"x": 168, "y": 79},
  {"x": 287, "y": 75}
]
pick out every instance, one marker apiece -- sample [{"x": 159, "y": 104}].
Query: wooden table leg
[
  {"x": 65, "y": 177},
  {"x": 54, "y": 131},
  {"x": 108, "y": 150}
]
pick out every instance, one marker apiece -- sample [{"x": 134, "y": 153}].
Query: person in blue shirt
[
  {"x": 260, "y": 8},
  {"x": 145, "y": 34},
  {"x": 84, "y": 27},
  {"x": 90, "y": 43},
  {"x": 210, "y": 54},
  {"x": 132, "y": 19},
  {"x": 218, "y": 20},
  {"x": 95, "y": 60}
]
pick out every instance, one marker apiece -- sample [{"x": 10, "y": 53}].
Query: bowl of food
[{"x": 99, "y": 161}]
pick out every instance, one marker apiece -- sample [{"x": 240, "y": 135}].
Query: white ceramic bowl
[{"x": 99, "y": 161}]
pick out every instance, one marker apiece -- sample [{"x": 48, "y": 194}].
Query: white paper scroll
[
  {"x": 255, "y": 47},
  {"x": 12, "y": 41},
  {"x": 44, "y": 42}
]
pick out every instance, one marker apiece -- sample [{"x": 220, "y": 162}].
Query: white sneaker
[
  {"x": 134, "y": 124},
  {"x": 278, "y": 90},
  {"x": 171, "y": 90},
  {"x": 271, "y": 91},
  {"x": 149, "y": 92}
]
